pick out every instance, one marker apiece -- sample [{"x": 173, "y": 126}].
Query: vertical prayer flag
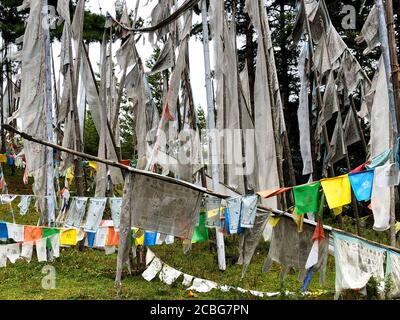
[
  {"x": 248, "y": 211},
  {"x": 361, "y": 183},
  {"x": 41, "y": 250},
  {"x": 306, "y": 198},
  {"x": 232, "y": 219},
  {"x": 32, "y": 233},
  {"x": 337, "y": 191}
]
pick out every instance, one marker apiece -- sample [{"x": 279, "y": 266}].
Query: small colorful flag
[
  {"x": 32, "y": 233},
  {"x": 337, "y": 191},
  {"x": 306, "y": 198},
  {"x": 361, "y": 183}
]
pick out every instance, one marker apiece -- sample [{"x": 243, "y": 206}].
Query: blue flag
[
  {"x": 361, "y": 183},
  {"x": 150, "y": 238},
  {"x": 90, "y": 238},
  {"x": 3, "y": 230}
]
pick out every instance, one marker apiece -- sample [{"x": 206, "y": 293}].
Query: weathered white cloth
[
  {"x": 187, "y": 280},
  {"x": 291, "y": 249},
  {"x": 303, "y": 115},
  {"x": 266, "y": 163},
  {"x": 27, "y": 250},
  {"x": 169, "y": 275},
  {"x": 336, "y": 45},
  {"x": 101, "y": 237},
  {"x": 13, "y": 252},
  {"x": 24, "y": 205},
  {"x": 162, "y": 206},
  {"x": 7, "y": 198},
  {"x": 356, "y": 261},
  {"x": 351, "y": 133},
  {"x": 249, "y": 240},
  {"x": 351, "y": 72},
  {"x": 387, "y": 175},
  {"x": 338, "y": 148},
  {"x": 55, "y": 245},
  {"x": 234, "y": 208},
  {"x": 153, "y": 269},
  {"x": 41, "y": 250},
  {"x": 149, "y": 256},
  {"x": 95, "y": 214},
  {"x": 165, "y": 60},
  {"x": 76, "y": 212},
  {"x": 248, "y": 211},
  {"x": 97, "y": 109},
  {"x": 15, "y": 232},
  {"x": 32, "y": 106},
  {"x": 201, "y": 285},
  {"x": 380, "y": 142},
  {"x": 115, "y": 205},
  {"x": 321, "y": 57},
  {"x": 370, "y": 31},
  {"x": 63, "y": 10},
  {"x": 330, "y": 105}
]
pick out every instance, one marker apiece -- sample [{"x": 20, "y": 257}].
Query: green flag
[
  {"x": 200, "y": 233},
  {"x": 306, "y": 198},
  {"x": 48, "y": 232}
]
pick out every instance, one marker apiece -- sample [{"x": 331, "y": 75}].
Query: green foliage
[
  {"x": 12, "y": 22},
  {"x": 155, "y": 81},
  {"x": 127, "y": 125},
  {"x": 91, "y": 136},
  {"x": 201, "y": 119}
]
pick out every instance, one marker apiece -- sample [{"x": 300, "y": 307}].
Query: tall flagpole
[
  {"x": 211, "y": 130},
  {"x": 383, "y": 38},
  {"x": 49, "y": 115}
]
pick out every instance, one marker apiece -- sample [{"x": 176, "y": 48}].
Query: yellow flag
[
  {"x": 273, "y": 221},
  {"x": 139, "y": 241},
  {"x": 213, "y": 213},
  {"x": 3, "y": 158},
  {"x": 337, "y": 211},
  {"x": 93, "y": 164},
  {"x": 69, "y": 237},
  {"x": 397, "y": 225},
  {"x": 70, "y": 174},
  {"x": 337, "y": 191}
]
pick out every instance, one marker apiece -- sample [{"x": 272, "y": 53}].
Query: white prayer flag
[
  {"x": 169, "y": 275},
  {"x": 27, "y": 250},
  {"x": 15, "y": 232},
  {"x": 153, "y": 269},
  {"x": 41, "y": 250},
  {"x": 13, "y": 252}
]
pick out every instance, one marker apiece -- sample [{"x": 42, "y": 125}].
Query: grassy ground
[{"x": 89, "y": 274}]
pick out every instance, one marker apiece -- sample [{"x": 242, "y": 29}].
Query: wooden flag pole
[{"x": 384, "y": 38}]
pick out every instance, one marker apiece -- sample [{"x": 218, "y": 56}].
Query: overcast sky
[{"x": 144, "y": 47}]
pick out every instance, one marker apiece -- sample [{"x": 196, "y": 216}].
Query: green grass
[{"x": 90, "y": 274}]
